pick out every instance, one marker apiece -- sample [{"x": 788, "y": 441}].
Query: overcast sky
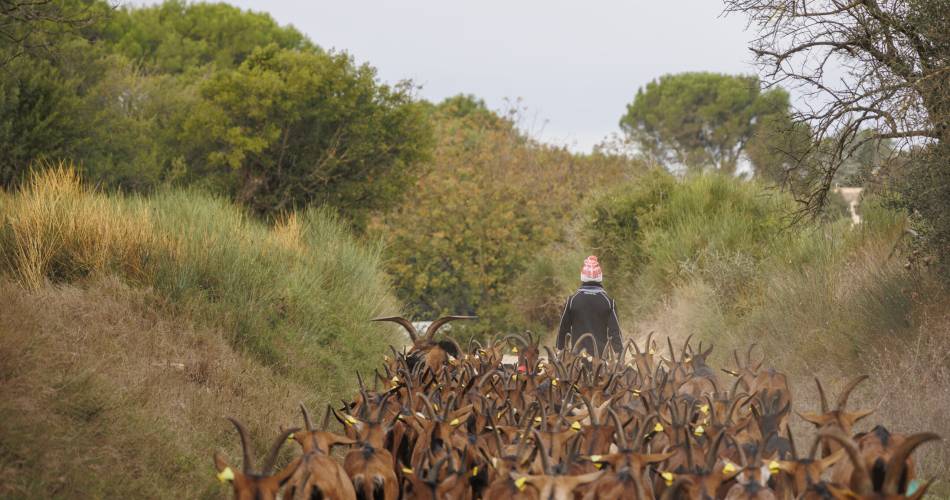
[{"x": 575, "y": 64}]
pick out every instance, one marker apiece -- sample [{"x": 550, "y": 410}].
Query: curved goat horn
[
  {"x": 399, "y": 320},
  {"x": 242, "y": 431},
  {"x": 860, "y": 474},
  {"x": 791, "y": 442},
  {"x": 686, "y": 346},
  {"x": 714, "y": 451},
  {"x": 843, "y": 398},
  {"x": 306, "y": 417},
  {"x": 636, "y": 348},
  {"x": 895, "y": 467},
  {"x": 434, "y": 327},
  {"x": 621, "y": 433},
  {"x": 821, "y": 393},
  {"x": 275, "y": 449},
  {"x": 539, "y": 445}
]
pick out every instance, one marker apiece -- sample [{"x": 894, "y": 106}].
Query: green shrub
[{"x": 662, "y": 232}]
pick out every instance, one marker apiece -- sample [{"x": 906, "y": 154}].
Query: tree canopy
[
  {"x": 207, "y": 95},
  {"x": 290, "y": 128},
  {"x": 176, "y": 36},
  {"x": 700, "y": 120}
]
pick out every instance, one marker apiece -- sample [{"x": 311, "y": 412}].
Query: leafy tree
[
  {"x": 176, "y": 36},
  {"x": 41, "y": 102},
  {"x": 700, "y": 120},
  {"x": 36, "y": 28},
  {"x": 289, "y": 128},
  {"x": 777, "y": 145}
]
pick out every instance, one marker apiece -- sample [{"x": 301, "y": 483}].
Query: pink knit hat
[{"x": 591, "y": 270}]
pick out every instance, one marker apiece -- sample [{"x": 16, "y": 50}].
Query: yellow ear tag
[
  {"x": 290, "y": 437},
  {"x": 537, "y": 419},
  {"x": 520, "y": 482},
  {"x": 668, "y": 477},
  {"x": 774, "y": 467},
  {"x": 598, "y": 465},
  {"x": 435, "y": 407},
  {"x": 226, "y": 475},
  {"x": 699, "y": 431},
  {"x": 729, "y": 468},
  {"x": 636, "y": 393},
  {"x": 704, "y": 409},
  {"x": 500, "y": 414},
  {"x": 406, "y": 470},
  {"x": 554, "y": 382},
  {"x": 514, "y": 349},
  {"x": 652, "y": 351},
  {"x": 474, "y": 471},
  {"x": 350, "y": 420},
  {"x": 454, "y": 422},
  {"x": 596, "y": 458},
  {"x": 576, "y": 426},
  {"x": 658, "y": 427}
]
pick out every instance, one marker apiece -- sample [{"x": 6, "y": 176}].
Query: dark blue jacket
[{"x": 590, "y": 310}]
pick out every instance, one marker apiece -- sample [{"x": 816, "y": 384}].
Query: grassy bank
[{"x": 139, "y": 322}]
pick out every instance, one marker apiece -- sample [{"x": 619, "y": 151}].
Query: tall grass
[{"x": 296, "y": 296}]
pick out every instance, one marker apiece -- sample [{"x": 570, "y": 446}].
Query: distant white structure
[{"x": 852, "y": 195}]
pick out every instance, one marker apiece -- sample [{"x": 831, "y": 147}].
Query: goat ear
[
  {"x": 220, "y": 463},
  {"x": 830, "y": 460},
  {"x": 858, "y": 415},
  {"x": 287, "y": 472},
  {"x": 341, "y": 440},
  {"x": 815, "y": 418},
  {"x": 656, "y": 457},
  {"x": 787, "y": 466},
  {"x": 463, "y": 411},
  {"x": 575, "y": 481}
]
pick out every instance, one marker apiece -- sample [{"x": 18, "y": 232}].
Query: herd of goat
[{"x": 440, "y": 422}]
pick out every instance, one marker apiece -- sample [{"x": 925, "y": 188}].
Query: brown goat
[
  {"x": 895, "y": 469},
  {"x": 250, "y": 485},
  {"x": 838, "y": 418}
]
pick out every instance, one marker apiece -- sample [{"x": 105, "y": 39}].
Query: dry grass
[
  {"x": 297, "y": 296},
  {"x": 104, "y": 396}
]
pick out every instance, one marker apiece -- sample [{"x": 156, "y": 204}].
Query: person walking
[{"x": 590, "y": 310}]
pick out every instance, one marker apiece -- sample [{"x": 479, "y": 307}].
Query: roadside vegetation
[
  {"x": 717, "y": 258},
  {"x": 131, "y": 325},
  {"x": 201, "y": 209}
]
